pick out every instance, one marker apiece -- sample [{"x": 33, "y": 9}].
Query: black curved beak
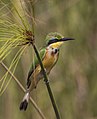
[{"x": 66, "y": 39}]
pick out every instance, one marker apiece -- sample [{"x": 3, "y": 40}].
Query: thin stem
[
  {"x": 47, "y": 84},
  {"x": 23, "y": 89},
  {"x": 43, "y": 70}
]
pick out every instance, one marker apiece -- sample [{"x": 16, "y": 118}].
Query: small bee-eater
[{"x": 49, "y": 56}]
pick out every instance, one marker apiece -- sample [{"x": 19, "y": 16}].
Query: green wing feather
[{"x": 34, "y": 65}]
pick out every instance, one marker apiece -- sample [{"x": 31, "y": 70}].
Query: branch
[
  {"x": 47, "y": 83},
  {"x": 23, "y": 89},
  {"x": 42, "y": 67}
]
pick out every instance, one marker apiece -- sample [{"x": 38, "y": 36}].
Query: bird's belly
[
  {"x": 49, "y": 62},
  {"x": 37, "y": 75}
]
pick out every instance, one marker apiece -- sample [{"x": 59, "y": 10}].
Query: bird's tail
[{"x": 24, "y": 103}]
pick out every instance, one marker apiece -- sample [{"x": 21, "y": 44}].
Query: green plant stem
[
  {"x": 23, "y": 89},
  {"x": 47, "y": 84},
  {"x": 43, "y": 70}
]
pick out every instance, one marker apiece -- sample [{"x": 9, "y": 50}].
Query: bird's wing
[{"x": 34, "y": 65}]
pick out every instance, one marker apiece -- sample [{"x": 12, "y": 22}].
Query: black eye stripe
[{"x": 52, "y": 41}]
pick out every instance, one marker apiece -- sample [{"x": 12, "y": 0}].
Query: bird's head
[{"x": 55, "y": 40}]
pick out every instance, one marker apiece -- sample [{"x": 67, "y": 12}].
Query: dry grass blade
[{"x": 23, "y": 89}]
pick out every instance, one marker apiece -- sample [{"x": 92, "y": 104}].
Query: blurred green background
[{"x": 74, "y": 78}]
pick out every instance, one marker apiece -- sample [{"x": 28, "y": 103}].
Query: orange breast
[{"x": 49, "y": 60}]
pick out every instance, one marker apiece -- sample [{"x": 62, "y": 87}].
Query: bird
[{"x": 49, "y": 56}]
